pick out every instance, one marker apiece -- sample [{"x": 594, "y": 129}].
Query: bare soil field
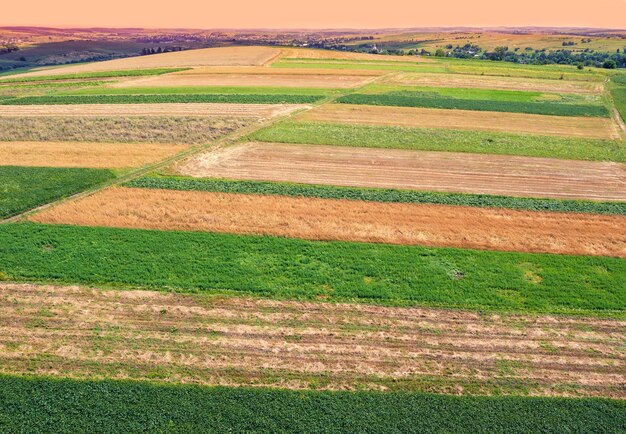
[
  {"x": 174, "y": 109},
  {"x": 345, "y": 220},
  {"x": 227, "y": 56},
  {"x": 492, "y": 82},
  {"x": 601, "y": 128},
  {"x": 414, "y": 170},
  {"x": 89, "y": 155},
  {"x": 143, "y": 335}
]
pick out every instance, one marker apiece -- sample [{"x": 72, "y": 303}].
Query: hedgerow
[{"x": 377, "y": 194}]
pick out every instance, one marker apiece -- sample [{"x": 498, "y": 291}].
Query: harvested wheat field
[
  {"x": 414, "y": 170},
  {"x": 600, "y": 128},
  {"x": 317, "y": 80},
  {"x": 86, "y": 333},
  {"x": 89, "y": 155},
  {"x": 227, "y": 56},
  {"x": 346, "y": 220},
  {"x": 173, "y": 109},
  {"x": 307, "y": 53},
  {"x": 492, "y": 82}
]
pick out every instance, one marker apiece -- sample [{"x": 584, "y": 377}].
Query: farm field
[
  {"x": 266, "y": 238},
  {"x": 332, "y": 219},
  {"x": 418, "y": 170}
]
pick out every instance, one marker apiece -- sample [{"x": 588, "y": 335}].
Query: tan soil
[
  {"x": 82, "y": 333},
  {"x": 90, "y": 155},
  {"x": 226, "y": 56},
  {"x": 196, "y": 109},
  {"x": 264, "y": 71},
  {"x": 601, "y": 128},
  {"x": 331, "y": 219},
  {"x": 415, "y": 170},
  {"x": 489, "y": 82}
]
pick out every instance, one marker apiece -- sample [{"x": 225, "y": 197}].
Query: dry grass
[
  {"x": 601, "y": 128},
  {"x": 415, "y": 170},
  {"x": 306, "y": 53},
  {"x": 345, "y": 220},
  {"x": 90, "y": 155},
  {"x": 176, "y": 109},
  {"x": 128, "y": 129},
  {"x": 82, "y": 333},
  {"x": 226, "y": 56},
  {"x": 261, "y": 70},
  {"x": 491, "y": 82}
]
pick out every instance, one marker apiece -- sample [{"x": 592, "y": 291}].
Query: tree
[
  {"x": 609, "y": 64},
  {"x": 440, "y": 53}
]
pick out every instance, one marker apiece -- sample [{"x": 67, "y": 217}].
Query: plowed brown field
[
  {"x": 602, "y": 128},
  {"x": 91, "y": 155},
  {"x": 85, "y": 333},
  {"x": 331, "y": 219},
  {"x": 196, "y": 109},
  {"x": 491, "y": 82},
  {"x": 419, "y": 170}
]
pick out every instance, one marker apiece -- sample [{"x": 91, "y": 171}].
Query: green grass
[
  {"x": 439, "y": 101},
  {"x": 42, "y": 404},
  {"x": 23, "y": 188},
  {"x": 376, "y": 194},
  {"x": 293, "y": 268},
  {"x": 619, "y": 98},
  {"x": 161, "y": 99},
  {"x": 443, "y": 140},
  {"x": 205, "y": 90},
  {"x": 100, "y": 74}
]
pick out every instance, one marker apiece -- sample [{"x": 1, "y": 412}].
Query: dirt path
[
  {"x": 418, "y": 170},
  {"x": 345, "y": 220},
  {"x": 144, "y": 335}
]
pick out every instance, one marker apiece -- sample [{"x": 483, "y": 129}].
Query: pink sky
[{"x": 314, "y": 13}]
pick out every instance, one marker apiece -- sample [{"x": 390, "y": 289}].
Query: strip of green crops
[
  {"x": 376, "y": 194},
  {"x": 205, "y": 90},
  {"x": 100, "y": 74},
  {"x": 293, "y": 268},
  {"x": 41, "y": 404},
  {"x": 160, "y": 99},
  {"x": 433, "y": 100},
  {"x": 24, "y": 188},
  {"x": 619, "y": 98},
  {"x": 431, "y": 139}
]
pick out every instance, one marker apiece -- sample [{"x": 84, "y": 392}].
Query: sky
[{"x": 207, "y": 14}]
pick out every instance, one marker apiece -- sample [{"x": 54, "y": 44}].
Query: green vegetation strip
[
  {"x": 376, "y": 194},
  {"x": 619, "y": 97},
  {"x": 160, "y": 99},
  {"x": 432, "y": 139},
  {"x": 41, "y": 404},
  {"x": 293, "y": 268},
  {"x": 23, "y": 188},
  {"x": 434, "y": 100},
  {"x": 100, "y": 74},
  {"x": 250, "y": 90}
]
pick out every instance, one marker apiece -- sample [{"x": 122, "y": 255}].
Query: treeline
[{"x": 159, "y": 50}]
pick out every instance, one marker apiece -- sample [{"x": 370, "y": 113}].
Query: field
[{"x": 284, "y": 239}]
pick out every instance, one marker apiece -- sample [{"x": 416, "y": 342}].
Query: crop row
[
  {"x": 434, "y": 100},
  {"x": 24, "y": 188},
  {"x": 99, "y": 74},
  {"x": 220, "y": 90},
  {"x": 294, "y": 268},
  {"x": 377, "y": 194},
  {"x": 40, "y": 404},
  {"x": 161, "y": 99},
  {"x": 430, "y": 139}
]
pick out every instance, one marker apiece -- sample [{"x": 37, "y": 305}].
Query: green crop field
[
  {"x": 23, "y": 188},
  {"x": 293, "y": 268},
  {"x": 436, "y": 100},
  {"x": 100, "y": 74},
  {"x": 220, "y": 90},
  {"x": 163, "y": 99},
  {"x": 376, "y": 194},
  {"x": 69, "y": 406},
  {"x": 443, "y": 140},
  {"x": 618, "y": 92}
]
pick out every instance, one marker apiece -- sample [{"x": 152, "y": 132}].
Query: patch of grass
[
  {"x": 132, "y": 129},
  {"x": 100, "y": 74},
  {"x": 293, "y": 268},
  {"x": 23, "y": 188},
  {"x": 619, "y": 98},
  {"x": 41, "y": 404},
  {"x": 376, "y": 194},
  {"x": 436, "y": 100},
  {"x": 221, "y": 90},
  {"x": 434, "y": 139}
]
